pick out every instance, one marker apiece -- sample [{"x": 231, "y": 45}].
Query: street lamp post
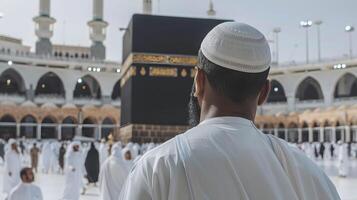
[
  {"x": 349, "y": 29},
  {"x": 318, "y": 23},
  {"x": 276, "y": 31},
  {"x": 306, "y": 24}
]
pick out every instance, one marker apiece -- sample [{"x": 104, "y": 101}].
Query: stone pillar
[
  {"x": 275, "y": 132},
  {"x": 30, "y": 93},
  {"x": 311, "y": 138},
  {"x": 333, "y": 134},
  {"x": 348, "y": 133},
  {"x": 291, "y": 103},
  {"x": 38, "y": 134},
  {"x": 18, "y": 130},
  {"x": 322, "y": 134},
  {"x": 299, "y": 135},
  {"x": 286, "y": 134},
  {"x": 343, "y": 135},
  {"x": 99, "y": 132},
  {"x": 59, "y": 131},
  {"x": 79, "y": 130}
]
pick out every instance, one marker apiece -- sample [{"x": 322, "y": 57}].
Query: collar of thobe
[{"x": 227, "y": 120}]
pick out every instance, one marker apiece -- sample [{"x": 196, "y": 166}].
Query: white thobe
[
  {"x": 343, "y": 162},
  {"x": 103, "y": 152},
  {"x": 112, "y": 176},
  {"x": 46, "y": 156},
  {"x": 13, "y": 166},
  {"x": 74, "y": 176},
  {"x": 226, "y": 158},
  {"x": 25, "y": 191}
]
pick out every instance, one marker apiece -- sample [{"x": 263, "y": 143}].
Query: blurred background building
[{"x": 60, "y": 91}]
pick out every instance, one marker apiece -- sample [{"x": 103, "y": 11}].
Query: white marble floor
[{"x": 52, "y": 185}]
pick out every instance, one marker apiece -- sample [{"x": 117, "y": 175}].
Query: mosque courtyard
[{"x": 52, "y": 185}]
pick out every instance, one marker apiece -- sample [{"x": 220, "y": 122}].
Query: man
[
  {"x": 322, "y": 150},
  {"x": 226, "y": 156},
  {"x": 92, "y": 165},
  {"x": 2, "y": 150},
  {"x": 74, "y": 172},
  {"x": 26, "y": 190},
  {"x": 113, "y": 174},
  {"x": 34, "y": 152},
  {"x": 128, "y": 158},
  {"x": 332, "y": 150},
  {"x": 62, "y": 152},
  {"x": 46, "y": 155},
  {"x": 12, "y": 167},
  {"x": 103, "y": 151},
  {"x": 343, "y": 162}
]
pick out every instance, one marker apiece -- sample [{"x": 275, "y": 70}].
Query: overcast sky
[{"x": 72, "y": 16}]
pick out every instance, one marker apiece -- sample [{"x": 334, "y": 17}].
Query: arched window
[
  {"x": 277, "y": 93},
  {"x": 11, "y": 82},
  {"x": 50, "y": 84},
  {"x": 48, "y": 128},
  {"x": 107, "y": 127},
  {"x": 309, "y": 89},
  {"x": 88, "y": 129},
  {"x": 7, "y": 127},
  {"x": 293, "y": 133},
  {"x": 327, "y": 131},
  {"x": 316, "y": 132},
  {"x": 116, "y": 91},
  {"x": 87, "y": 87},
  {"x": 281, "y": 131},
  {"x": 346, "y": 86},
  {"x": 28, "y": 127},
  {"x": 68, "y": 128},
  {"x": 305, "y": 132}
]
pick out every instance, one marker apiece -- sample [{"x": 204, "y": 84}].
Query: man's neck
[{"x": 212, "y": 111}]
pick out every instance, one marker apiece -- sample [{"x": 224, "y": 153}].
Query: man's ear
[
  {"x": 264, "y": 92},
  {"x": 199, "y": 83}
]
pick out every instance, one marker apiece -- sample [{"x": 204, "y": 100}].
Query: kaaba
[{"x": 159, "y": 56}]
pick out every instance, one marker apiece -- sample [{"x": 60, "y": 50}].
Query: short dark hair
[
  {"x": 235, "y": 85},
  {"x": 24, "y": 171}
]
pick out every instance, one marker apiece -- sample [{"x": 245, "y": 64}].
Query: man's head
[
  {"x": 26, "y": 175},
  {"x": 127, "y": 155},
  {"x": 13, "y": 144},
  {"x": 76, "y": 147},
  {"x": 232, "y": 71}
]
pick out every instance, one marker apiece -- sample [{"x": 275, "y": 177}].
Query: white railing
[
  {"x": 14, "y": 98},
  {"x": 56, "y": 99},
  {"x": 84, "y": 101}
]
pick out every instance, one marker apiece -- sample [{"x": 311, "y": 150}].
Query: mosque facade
[
  {"x": 59, "y": 91},
  {"x": 62, "y": 91}
]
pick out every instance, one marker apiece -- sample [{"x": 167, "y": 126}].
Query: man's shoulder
[
  {"x": 166, "y": 152},
  {"x": 304, "y": 163}
]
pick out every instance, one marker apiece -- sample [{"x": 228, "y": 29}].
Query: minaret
[
  {"x": 44, "y": 29},
  {"x": 211, "y": 12},
  {"x": 97, "y": 28},
  {"x": 147, "y": 7}
]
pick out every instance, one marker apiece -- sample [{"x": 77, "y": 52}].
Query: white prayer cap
[
  {"x": 117, "y": 150},
  {"x": 11, "y": 141},
  {"x": 237, "y": 46}
]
